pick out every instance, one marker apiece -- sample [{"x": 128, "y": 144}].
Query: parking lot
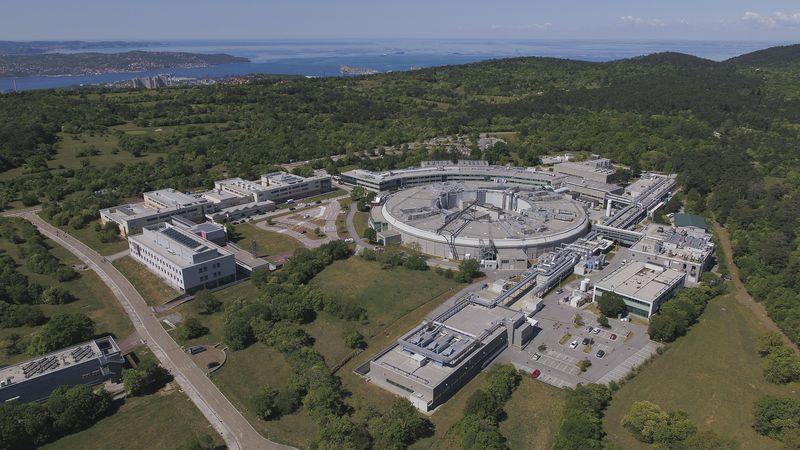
[{"x": 625, "y": 345}]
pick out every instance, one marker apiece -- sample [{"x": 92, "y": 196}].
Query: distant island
[
  {"x": 53, "y": 64},
  {"x": 354, "y": 71},
  {"x": 39, "y": 47}
]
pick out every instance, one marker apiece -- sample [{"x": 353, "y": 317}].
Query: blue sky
[{"x": 314, "y": 19}]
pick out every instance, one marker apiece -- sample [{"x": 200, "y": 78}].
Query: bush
[
  {"x": 149, "y": 377},
  {"x": 581, "y": 425},
  {"x": 62, "y": 331},
  {"x": 55, "y": 295},
  {"x": 650, "y": 424},
  {"x": 781, "y": 363},
  {"x": 776, "y": 417},
  {"x": 207, "y": 303},
  {"x": 191, "y": 328},
  {"x": 354, "y": 339},
  {"x": 264, "y": 404},
  {"x": 603, "y": 321}
]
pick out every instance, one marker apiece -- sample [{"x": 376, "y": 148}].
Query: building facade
[
  {"x": 157, "y": 206},
  {"x": 643, "y": 286},
  {"x": 91, "y": 362}
]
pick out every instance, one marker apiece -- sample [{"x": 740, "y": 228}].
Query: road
[
  {"x": 221, "y": 414},
  {"x": 328, "y": 211}
]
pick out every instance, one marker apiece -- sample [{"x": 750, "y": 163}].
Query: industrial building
[
  {"x": 644, "y": 286},
  {"x": 594, "y": 169},
  {"x": 477, "y": 220},
  {"x": 181, "y": 259},
  {"x": 686, "y": 249},
  {"x": 34, "y": 380},
  {"x": 157, "y": 206},
  {"x": 434, "y": 360},
  {"x": 443, "y": 171}
]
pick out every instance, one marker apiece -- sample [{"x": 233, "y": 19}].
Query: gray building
[
  {"x": 183, "y": 260},
  {"x": 434, "y": 360},
  {"x": 643, "y": 286},
  {"x": 594, "y": 169},
  {"x": 158, "y": 206},
  {"x": 34, "y": 380},
  {"x": 282, "y": 186}
]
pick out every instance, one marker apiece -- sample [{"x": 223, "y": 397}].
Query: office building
[
  {"x": 644, "y": 286},
  {"x": 283, "y": 186},
  {"x": 91, "y": 362},
  {"x": 688, "y": 250},
  {"x": 184, "y": 261},
  {"x": 157, "y": 207},
  {"x": 594, "y": 169}
]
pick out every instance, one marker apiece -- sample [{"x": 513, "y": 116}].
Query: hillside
[
  {"x": 774, "y": 56},
  {"x": 85, "y": 63}
]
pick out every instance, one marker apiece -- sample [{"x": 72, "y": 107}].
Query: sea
[{"x": 323, "y": 58}]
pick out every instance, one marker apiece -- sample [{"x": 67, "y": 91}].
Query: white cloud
[
  {"x": 776, "y": 19},
  {"x": 639, "y": 21}
]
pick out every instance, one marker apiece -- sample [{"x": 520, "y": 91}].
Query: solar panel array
[
  {"x": 181, "y": 238},
  {"x": 82, "y": 353},
  {"x": 40, "y": 366}
]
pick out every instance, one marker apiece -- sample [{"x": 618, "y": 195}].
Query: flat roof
[
  {"x": 240, "y": 184},
  {"x": 178, "y": 246},
  {"x": 174, "y": 198},
  {"x": 690, "y": 220},
  {"x": 474, "y": 170},
  {"x": 58, "y": 360},
  {"x": 642, "y": 281}
]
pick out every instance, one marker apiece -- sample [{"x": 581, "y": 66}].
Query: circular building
[{"x": 481, "y": 220}]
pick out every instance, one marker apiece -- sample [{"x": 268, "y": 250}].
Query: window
[{"x": 409, "y": 390}]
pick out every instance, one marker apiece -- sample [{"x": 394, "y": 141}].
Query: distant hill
[
  {"x": 51, "y": 64},
  {"x": 671, "y": 58},
  {"x": 38, "y": 47},
  {"x": 774, "y": 56}
]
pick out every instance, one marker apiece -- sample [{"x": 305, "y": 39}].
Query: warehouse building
[
  {"x": 434, "y": 360},
  {"x": 644, "y": 286},
  {"x": 181, "y": 259},
  {"x": 157, "y": 206},
  {"x": 91, "y": 362}
]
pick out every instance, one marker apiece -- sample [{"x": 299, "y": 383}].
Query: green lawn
[
  {"x": 268, "y": 242},
  {"x": 93, "y": 299},
  {"x": 154, "y": 290},
  {"x": 361, "y": 222},
  {"x": 163, "y": 420},
  {"x": 91, "y": 238},
  {"x": 713, "y": 373},
  {"x": 534, "y": 413}
]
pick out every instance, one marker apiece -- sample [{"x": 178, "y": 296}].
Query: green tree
[
  {"x": 56, "y": 295},
  {"x": 207, "y": 303},
  {"x": 611, "y": 304},
  {"x": 776, "y": 416},
  {"x": 61, "y": 331},
  {"x": 191, "y": 328},
  {"x": 782, "y": 365},
  {"x": 644, "y": 419},
  {"x": 354, "y": 339},
  {"x": 147, "y": 378}
]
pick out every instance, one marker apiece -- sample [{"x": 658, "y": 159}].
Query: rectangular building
[
  {"x": 434, "y": 360},
  {"x": 34, "y": 380},
  {"x": 157, "y": 207},
  {"x": 687, "y": 250},
  {"x": 595, "y": 169},
  {"x": 643, "y": 286},
  {"x": 180, "y": 258},
  {"x": 282, "y": 186}
]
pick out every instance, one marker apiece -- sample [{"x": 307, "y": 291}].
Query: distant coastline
[{"x": 71, "y": 64}]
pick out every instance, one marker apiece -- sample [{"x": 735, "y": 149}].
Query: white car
[{"x": 573, "y": 344}]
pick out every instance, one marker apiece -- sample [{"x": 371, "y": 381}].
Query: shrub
[
  {"x": 207, "y": 303},
  {"x": 55, "y": 295},
  {"x": 149, "y": 377},
  {"x": 354, "y": 339},
  {"x": 191, "y": 328}
]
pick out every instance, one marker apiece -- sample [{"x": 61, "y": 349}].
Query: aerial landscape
[{"x": 406, "y": 225}]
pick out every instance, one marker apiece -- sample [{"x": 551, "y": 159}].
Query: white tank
[{"x": 585, "y": 285}]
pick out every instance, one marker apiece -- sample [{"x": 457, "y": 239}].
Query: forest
[{"x": 729, "y": 129}]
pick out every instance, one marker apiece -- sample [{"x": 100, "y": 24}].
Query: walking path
[
  {"x": 329, "y": 212},
  {"x": 744, "y": 297},
  {"x": 223, "y": 416}
]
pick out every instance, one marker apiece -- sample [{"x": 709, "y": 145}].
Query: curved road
[{"x": 223, "y": 416}]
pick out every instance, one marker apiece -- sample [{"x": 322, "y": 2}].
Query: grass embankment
[
  {"x": 361, "y": 222},
  {"x": 93, "y": 298},
  {"x": 161, "y": 420},
  {"x": 713, "y": 373},
  {"x": 534, "y": 413},
  {"x": 267, "y": 242},
  {"x": 152, "y": 288}
]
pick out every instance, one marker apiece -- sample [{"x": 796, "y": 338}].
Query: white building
[
  {"x": 183, "y": 260},
  {"x": 157, "y": 207},
  {"x": 643, "y": 286},
  {"x": 282, "y": 186},
  {"x": 685, "y": 250},
  {"x": 595, "y": 169}
]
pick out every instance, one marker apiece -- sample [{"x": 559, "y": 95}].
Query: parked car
[
  {"x": 318, "y": 202},
  {"x": 559, "y": 291},
  {"x": 589, "y": 329},
  {"x": 613, "y": 337},
  {"x": 585, "y": 341},
  {"x": 600, "y": 353},
  {"x": 573, "y": 344},
  {"x": 536, "y": 356},
  {"x": 596, "y": 331},
  {"x": 536, "y": 373}
]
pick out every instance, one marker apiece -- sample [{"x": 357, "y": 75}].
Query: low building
[
  {"x": 282, "y": 186},
  {"x": 591, "y": 191},
  {"x": 180, "y": 258},
  {"x": 91, "y": 362},
  {"x": 209, "y": 231},
  {"x": 688, "y": 250},
  {"x": 158, "y": 206},
  {"x": 643, "y": 286},
  {"x": 594, "y": 169},
  {"x": 434, "y": 360}
]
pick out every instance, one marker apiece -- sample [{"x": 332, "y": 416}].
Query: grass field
[
  {"x": 268, "y": 242},
  {"x": 713, "y": 373},
  {"x": 163, "y": 420},
  {"x": 361, "y": 222},
  {"x": 534, "y": 413},
  {"x": 91, "y": 238},
  {"x": 94, "y": 299},
  {"x": 150, "y": 286}
]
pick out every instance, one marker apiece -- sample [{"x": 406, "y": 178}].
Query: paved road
[
  {"x": 223, "y": 416},
  {"x": 329, "y": 214}
]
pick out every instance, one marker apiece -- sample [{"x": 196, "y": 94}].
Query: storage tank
[{"x": 585, "y": 285}]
